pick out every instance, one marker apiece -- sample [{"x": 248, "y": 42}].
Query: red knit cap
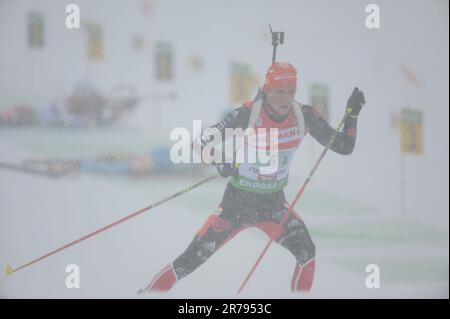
[{"x": 279, "y": 74}]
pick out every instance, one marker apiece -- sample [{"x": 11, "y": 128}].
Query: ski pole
[
  {"x": 294, "y": 202},
  {"x": 10, "y": 270}
]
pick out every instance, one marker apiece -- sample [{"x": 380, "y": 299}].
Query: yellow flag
[
  {"x": 35, "y": 30},
  {"x": 242, "y": 83},
  {"x": 411, "y": 130},
  {"x": 319, "y": 99},
  {"x": 164, "y": 61},
  {"x": 95, "y": 51}
]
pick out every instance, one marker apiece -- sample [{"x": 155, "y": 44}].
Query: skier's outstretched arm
[
  {"x": 319, "y": 128},
  {"x": 238, "y": 118}
]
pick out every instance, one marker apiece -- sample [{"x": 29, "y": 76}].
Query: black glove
[
  {"x": 355, "y": 102},
  {"x": 227, "y": 169}
]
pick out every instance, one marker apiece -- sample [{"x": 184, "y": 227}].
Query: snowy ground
[{"x": 38, "y": 214}]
